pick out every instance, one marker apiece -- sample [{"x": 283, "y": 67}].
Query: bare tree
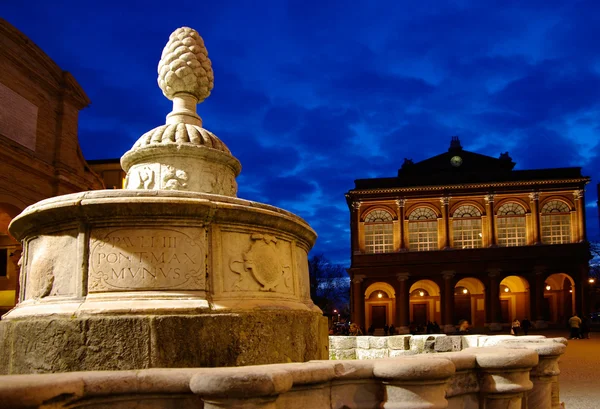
[{"x": 329, "y": 285}]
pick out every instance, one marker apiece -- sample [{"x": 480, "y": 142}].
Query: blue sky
[{"x": 310, "y": 95}]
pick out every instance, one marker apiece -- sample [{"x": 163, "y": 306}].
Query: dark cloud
[{"x": 312, "y": 95}]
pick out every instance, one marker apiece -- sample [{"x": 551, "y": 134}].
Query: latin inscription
[{"x": 146, "y": 259}]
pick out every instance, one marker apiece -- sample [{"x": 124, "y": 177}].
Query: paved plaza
[{"x": 580, "y": 371}]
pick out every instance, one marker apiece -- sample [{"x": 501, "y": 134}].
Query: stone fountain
[{"x": 174, "y": 270}]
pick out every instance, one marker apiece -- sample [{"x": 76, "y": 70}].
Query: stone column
[
  {"x": 445, "y": 201},
  {"x": 489, "y": 210},
  {"x": 354, "y": 223},
  {"x": 448, "y": 302},
  {"x": 251, "y": 387},
  {"x": 403, "y": 304},
  {"x": 538, "y": 295},
  {"x": 581, "y": 290},
  {"x": 415, "y": 383},
  {"x": 504, "y": 376},
  {"x": 358, "y": 300},
  {"x": 494, "y": 289},
  {"x": 534, "y": 199},
  {"x": 401, "y": 203},
  {"x": 580, "y": 209}
]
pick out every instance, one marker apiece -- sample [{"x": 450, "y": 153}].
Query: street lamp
[{"x": 592, "y": 280}]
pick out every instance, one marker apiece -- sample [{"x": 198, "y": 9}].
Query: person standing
[
  {"x": 526, "y": 324},
  {"x": 515, "y": 327},
  {"x": 574, "y": 324}
]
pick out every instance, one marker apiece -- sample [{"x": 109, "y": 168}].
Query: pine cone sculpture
[{"x": 184, "y": 66}]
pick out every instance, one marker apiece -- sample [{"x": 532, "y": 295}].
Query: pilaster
[
  {"x": 445, "y": 201},
  {"x": 534, "y": 199},
  {"x": 489, "y": 210}
]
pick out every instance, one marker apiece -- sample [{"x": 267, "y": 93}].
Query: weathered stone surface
[
  {"x": 451, "y": 343},
  {"x": 341, "y": 342},
  {"x": 417, "y": 342},
  {"x": 5, "y": 346},
  {"x": 237, "y": 339},
  {"x": 116, "y": 343},
  {"x": 137, "y": 342},
  {"x": 372, "y": 353},
  {"x": 363, "y": 342},
  {"x": 399, "y": 342},
  {"x": 401, "y": 352},
  {"x": 52, "y": 345},
  {"x": 378, "y": 342},
  {"x": 469, "y": 341}
]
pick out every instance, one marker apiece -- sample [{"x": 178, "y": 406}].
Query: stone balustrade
[{"x": 405, "y": 373}]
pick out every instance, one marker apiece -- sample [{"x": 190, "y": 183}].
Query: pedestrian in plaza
[
  {"x": 463, "y": 327},
  {"x": 525, "y": 325},
  {"x": 386, "y": 329},
  {"x": 575, "y": 324},
  {"x": 392, "y": 329},
  {"x": 585, "y": 328},
  {"x": 515, "y": 327}
]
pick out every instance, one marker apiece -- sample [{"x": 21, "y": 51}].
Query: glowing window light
[
  {"x": 421, "y": 293},
  {"x": 379, "y": 295},
  {"x": 506, "y": 289}
]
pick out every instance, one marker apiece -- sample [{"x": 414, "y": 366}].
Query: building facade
[
  {"x": 40, "y": 155},
  {"x": 464, "y": 236}
]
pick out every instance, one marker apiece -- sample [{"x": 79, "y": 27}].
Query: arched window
[
  {"x": 510, "y": 223},
  {"x": 379, "y": 236},
  {"x": 422, "y": 229},
  {"x": 556, "y": 223},
  {"x": 466, "y": 227}
]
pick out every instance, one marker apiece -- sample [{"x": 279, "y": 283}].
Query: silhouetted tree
[{"x": 329, "y": 285}]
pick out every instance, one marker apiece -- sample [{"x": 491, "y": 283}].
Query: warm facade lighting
[
  {"x": 592, "y": 280},
  {"x": 506, "y": 289},
  {"x": 421, "y": 293},
  {"x": 379, "y": 295},
  {"x": 548, "y": 288},
  {"x": 570, "y": 291},
  {"x": 465, "y": 291}
]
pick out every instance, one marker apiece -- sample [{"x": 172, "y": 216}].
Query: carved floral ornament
[{"x": 263, "y": 264}]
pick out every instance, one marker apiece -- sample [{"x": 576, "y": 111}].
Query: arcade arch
[
  {"x": 559, "y": 298},
  {"x": 380, "y": 304},
  {"x": 514, "y": 298},
  {"x": 424, "y": 302},
  {"x": 469, "y": 301}
]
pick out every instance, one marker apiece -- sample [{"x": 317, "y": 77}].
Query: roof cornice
[{"x": 585, "y": 180}]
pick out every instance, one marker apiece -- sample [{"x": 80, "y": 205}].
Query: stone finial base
[{"x": 161, "y": 341}]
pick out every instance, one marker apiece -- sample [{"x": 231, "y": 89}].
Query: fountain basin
[{"x": 169, "y": 278}]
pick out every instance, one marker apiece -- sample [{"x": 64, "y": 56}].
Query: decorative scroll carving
[
  {"x": 578, "y": 194},
  {"x": 356, "y": 205},
  {"x": 263, "y": 263},
  {"x": 401, "y": 202},
  {"x": 534, "y": 196},
  {"x": 445, "y": 200},
  {"x": 489, "y": 198}
]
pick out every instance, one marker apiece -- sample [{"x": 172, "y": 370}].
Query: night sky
[{"x": 310, "y": 95}]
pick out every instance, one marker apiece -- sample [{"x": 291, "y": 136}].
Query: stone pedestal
[{"x": 130, "y": 280}]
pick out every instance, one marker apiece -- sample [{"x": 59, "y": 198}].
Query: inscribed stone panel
[{"x": 130, "y": 259}]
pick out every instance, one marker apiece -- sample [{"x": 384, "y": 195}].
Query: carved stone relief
[
  {"x": 263, "y": 265},
  {"x": 303, "y": 273},
  {"x": 51, "y": 268},
  {"x": 147, "y": 259},
  {"x": 173, "y": 179}
]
